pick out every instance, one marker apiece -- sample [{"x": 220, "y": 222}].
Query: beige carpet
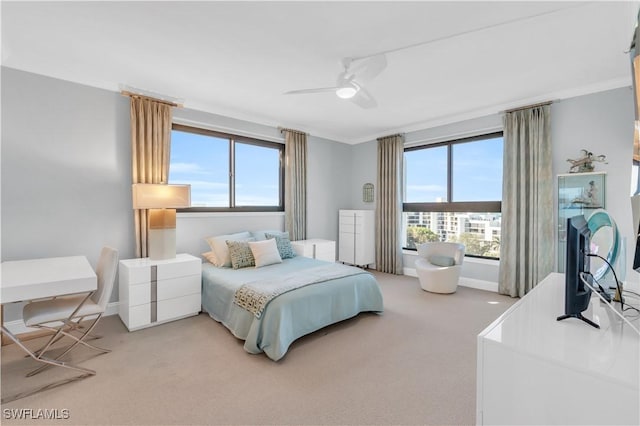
[{"x": 415, "y": 364}]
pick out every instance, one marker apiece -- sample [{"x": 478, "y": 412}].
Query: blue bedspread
[{"x": 290, "y": 315}]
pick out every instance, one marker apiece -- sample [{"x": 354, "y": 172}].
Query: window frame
[
  {"x": 454, "y": 206},
  {"x": 233, "y": 139}
]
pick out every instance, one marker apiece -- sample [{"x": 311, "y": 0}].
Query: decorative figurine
[{"x": 585, "y": 163}]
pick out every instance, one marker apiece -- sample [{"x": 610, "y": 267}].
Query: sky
[
  {"x": 477, "y": 172},
  {"x": 203, "y": 162}
]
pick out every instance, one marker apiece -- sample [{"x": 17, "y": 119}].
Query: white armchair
[{"x": 438, "y": 266}]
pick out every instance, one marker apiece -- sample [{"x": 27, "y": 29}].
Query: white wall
[
  {"x": 328, "y": 178},
  {"x": 66, "y": 170},
  {"x": 603, "y": 124},
  {"x": 364, "y": 169}
]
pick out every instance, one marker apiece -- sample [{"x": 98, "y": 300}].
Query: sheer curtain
[
  {"x": 150, "y": 150},
  {"x": 527, "y": 243},
  {"x": 295, "y": 179},
  {"x": 389, "y": 204}
]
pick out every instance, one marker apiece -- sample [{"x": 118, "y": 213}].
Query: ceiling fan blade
[
  {"x": 364, "y": 99},
  {"x": 368, "y": 68},
  {"x": 305, "y": 91}
]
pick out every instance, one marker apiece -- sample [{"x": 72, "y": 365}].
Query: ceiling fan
[{"x": 350, "y": 82}]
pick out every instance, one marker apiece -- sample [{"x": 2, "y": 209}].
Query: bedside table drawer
[
  {"x": 177, "y": 287},
  {"x": 176, "y": 270},
  {"x": 139, "y": 294},
  {"x": 305, "y": 250},
  {"x": 165, "y": 289},
  {"x": 139, "y": 316},
  {"x": 178, "y": 307},
  {"x": 328, "y": 255},
  {"x": 316, "y": 248}
]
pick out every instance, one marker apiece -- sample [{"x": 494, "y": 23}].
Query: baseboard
[
  {"x": 18, "y": 327},
  {"x": 112, "y": 309},
  {"x": 464, "y": 281},
  {"x": 479, "y": 284}
]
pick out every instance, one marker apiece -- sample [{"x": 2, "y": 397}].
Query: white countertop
[{"x": 612, "y": 351}]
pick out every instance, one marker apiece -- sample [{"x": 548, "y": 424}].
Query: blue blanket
[
  {"x": 254, "y": 296},
  {"x": 290, "y": 315}
]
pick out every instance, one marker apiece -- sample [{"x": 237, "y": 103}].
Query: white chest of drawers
[
  {"x": 356, "y": 243},
  {"x": 156, "y": 291},
  {"x": 316, "y": 248}
]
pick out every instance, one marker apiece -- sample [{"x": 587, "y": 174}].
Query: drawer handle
[{"x": 154, "y": 293}]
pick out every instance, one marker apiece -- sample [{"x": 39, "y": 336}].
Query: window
[
  {"x": 453, "y": 192},
  {"x": 227, "y": 172}
]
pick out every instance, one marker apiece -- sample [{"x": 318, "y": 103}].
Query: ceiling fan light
[{"x": 346, "y": 92}]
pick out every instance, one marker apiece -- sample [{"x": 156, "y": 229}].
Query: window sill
[
  {"x": 467, "y": 259},
  {"x": 196, "y": 215}
]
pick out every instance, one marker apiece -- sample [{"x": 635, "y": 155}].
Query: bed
[{"x": 293, "y": 313}]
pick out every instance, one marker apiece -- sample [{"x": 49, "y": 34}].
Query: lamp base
[{"x": 162, "y": 234}]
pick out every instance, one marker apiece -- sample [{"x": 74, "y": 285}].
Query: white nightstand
[
  {"x": 156, "y": 291},
  {"x": 316, "y": 248}
]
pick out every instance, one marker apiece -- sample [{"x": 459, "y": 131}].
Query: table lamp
[{"x": 161, "y": 200}]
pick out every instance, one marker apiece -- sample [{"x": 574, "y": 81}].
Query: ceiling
[{"x": 238, "y": 58}]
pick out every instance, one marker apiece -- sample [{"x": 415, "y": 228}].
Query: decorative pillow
[
  {"x": 210, "y": 256},
  {"x": 265, "y": 252},
  {"x": 240, "y": 253},
  {"x": 219, "y": 246},
  {"x": 284, "y": 244},
  {"x": 442, "y": 260}
]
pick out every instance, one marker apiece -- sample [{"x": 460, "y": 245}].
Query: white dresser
[
  {"x": 356, "y": 239},
  {"x": 533, "y": 369},
  {"x": 156, "y": 291},
  {"x": 316, "y": 248}
]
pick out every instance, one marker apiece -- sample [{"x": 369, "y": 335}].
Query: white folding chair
[{"x": 63, "y": 315}]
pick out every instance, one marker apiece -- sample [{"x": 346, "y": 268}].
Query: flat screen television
[
  {"x": 577, "y": 294},
  {"x": 635, "y": 213}
]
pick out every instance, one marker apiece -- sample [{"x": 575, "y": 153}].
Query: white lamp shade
[{"x": 161, "y": 196}]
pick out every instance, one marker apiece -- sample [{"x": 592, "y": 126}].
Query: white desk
[
  {"x": 39, "y": 278},
  {"x": 42, "y": 278},
  {"x": 533, "y": 369}
]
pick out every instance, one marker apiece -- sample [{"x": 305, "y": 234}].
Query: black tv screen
[{"x": 577, "y": 294}]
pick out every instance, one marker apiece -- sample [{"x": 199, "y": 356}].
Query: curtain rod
[
  {"x": 528, "y": 106},
  {"x": 160, "y": 101},
  {"x": 284, "y": 129},
  {"x": 391, "y": 136}
]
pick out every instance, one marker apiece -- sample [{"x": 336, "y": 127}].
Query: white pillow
[
  {"x": 265, "y": 252},
  {"x": 219, "y": 246},
  {"x": 211, "y": 257}
]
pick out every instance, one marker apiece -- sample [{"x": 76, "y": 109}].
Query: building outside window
[
  {"x": 453, "y": 192},
  {"x": 227, "y": 172}
]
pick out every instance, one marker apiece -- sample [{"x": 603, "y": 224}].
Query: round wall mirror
[{"x": 605, "y": 241}]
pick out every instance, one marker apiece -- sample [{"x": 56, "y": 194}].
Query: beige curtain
[
  {"x": 295, "y": 178},
  {"x": 389, "y": 204},
  {"x": 527, "y": 242},
  {"x": 150, "y": 149}
]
